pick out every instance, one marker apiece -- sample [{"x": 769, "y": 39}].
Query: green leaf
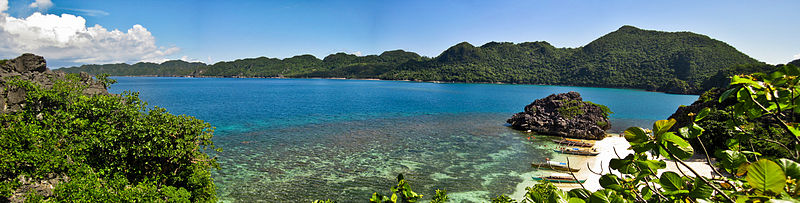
[
  {"x": 746, "y": 81},
  {"x": 695, "y": 130},
  {"x": 727, "y": 94},
  {"x": 647, "y": 193},
  {"x": 662, "y": 126},
  {"x": 732, "y": 143},
  {"x": 700, "y": 190},
  {"x": 652, "y": 164},
  {"x": 671, "y": 181},
  {"x": 730, "y": 160},
  {"x": 601, "y": 196},
  {"x": 636, "y": 135},
  {"x": 610, "y": 181},
  {"x": 702, "y": 114},
  {"x": 766, "y": 175},
  {"x": 790, "y": 168},
  {"x": 558, "y": 196},
  {"x": 677, "y": 145},
  {"x": 580, "y": 193},
  {"x": 743, "y": 96},
  {"x": 377, "y": 198},
  {"x": 676, "y": 192},
  {"x": 623, "y": 165},
  {"x": 575, "y": 200},
  {"x": 794, "y": 130},
  {"x": 643, "y": 147}
]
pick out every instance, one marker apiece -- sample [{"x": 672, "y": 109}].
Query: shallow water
[{"x": 303, "y": 139}]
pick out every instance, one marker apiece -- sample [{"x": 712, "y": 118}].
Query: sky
[{"x": 69, "y": 33}]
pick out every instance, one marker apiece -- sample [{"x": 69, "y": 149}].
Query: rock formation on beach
[
  {"x": 565, "y": 115},
  {"x": 33, "y": 68}
]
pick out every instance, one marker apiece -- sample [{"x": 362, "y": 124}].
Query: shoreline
[
  {"x": 378, "y": 79},
  {"x": 606, "y": 147}
]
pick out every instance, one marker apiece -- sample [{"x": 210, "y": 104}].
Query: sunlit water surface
[{"x": 296, "y": 140}]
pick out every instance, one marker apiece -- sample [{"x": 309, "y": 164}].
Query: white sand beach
[{"x": 606, "y": 147}]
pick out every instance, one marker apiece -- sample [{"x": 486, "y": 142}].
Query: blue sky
[{"x": 212, "y": 31}]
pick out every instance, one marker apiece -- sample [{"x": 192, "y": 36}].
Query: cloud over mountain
[{"x": 67, "y": 38}]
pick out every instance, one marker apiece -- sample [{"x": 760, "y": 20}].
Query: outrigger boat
[
  {"x": 553, "y": 165},
  {"x": 578, "y": 151},
  {"x": 573, "y": 142},
  {"x": 558, "y": 179}
]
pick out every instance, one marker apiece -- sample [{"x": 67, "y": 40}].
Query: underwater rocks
[
  {"x": 565, "y": 115},
  {"x": 33, "y": 68}
]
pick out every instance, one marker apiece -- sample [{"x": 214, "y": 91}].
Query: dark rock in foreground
[
  {"x": 33, "y": 68},
  {"x": 565, "y": 115}
]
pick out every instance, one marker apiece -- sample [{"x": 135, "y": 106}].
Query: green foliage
[
  {"x": 503, "y": 199},
  {"x": 401, "y": 192},
  {"x": 541, "y": 192},
  {"x": 571, "y": 108},
  {"x": 637, "y": 177},
  {"x": 791, "y": 168},
  {"x": 440, "y": 196},
  {"x": 676, "y": 62},
  {"x": 168, "y": 68},
  {"x": 606, "y": 111},
  {"x": 103, "y": 78},
  {"x": 766, "y": 176},
  {"x": 796, "y": 62},
  {"x": 110, "y": 148}
]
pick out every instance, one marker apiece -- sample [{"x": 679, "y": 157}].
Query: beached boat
[
  {"x": 573, "y": 142},
  {"x": 578, "y": 151},
  {"x": 553, "y": 165},
  {"x": 558, "y": 179}
]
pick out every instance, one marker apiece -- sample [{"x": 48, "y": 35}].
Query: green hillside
[
  {"x": 795, "y": 62},
  {"x": 675, "y": 62}
]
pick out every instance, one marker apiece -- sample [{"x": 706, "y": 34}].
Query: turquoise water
[{"x": 303, "y": 139}]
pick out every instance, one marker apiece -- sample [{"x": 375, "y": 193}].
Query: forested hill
[
  {"x": 795, "y": 62},
  {"x": 675, "y": 62}
]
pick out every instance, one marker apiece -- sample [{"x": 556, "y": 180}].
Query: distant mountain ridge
[{"x": 674, "y": 62}]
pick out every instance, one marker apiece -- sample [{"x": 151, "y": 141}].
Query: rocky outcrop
[
  {"x": 34, "y": 68},
  {"x": 565, "y": 115}
]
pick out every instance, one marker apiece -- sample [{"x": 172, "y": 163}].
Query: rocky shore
[
  {"x": 33, "y": 68},
  {"x": 565, "y": 115}
]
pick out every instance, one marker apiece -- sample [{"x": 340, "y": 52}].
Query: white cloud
[
  {"x": 796, "y": 56},
  {"x": 67, "y": 38},
  {"x": 187, "y": 59},
  {"x": 358, "y": 53},
  {"x": 3, "y": 6},
  {"x": 42, "y": 4},
  {"x": 88, "y": 12}
]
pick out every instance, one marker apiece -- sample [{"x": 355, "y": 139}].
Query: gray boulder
[
  {"x": 33, "y": 68},
  {"x": 565, "y": 115}
]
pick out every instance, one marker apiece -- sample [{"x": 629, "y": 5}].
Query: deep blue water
[{"x": 302, "y": 139}]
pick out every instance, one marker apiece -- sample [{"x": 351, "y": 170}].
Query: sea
[{"x": 299, "y": 140}]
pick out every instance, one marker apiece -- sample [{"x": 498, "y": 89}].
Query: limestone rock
[
  {"x": 565, "y": 115},
  {"x": 33, "y": 68}
]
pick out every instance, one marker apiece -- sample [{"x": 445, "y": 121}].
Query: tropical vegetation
[
  {"x": 746, "y": 174},
  {"x": 675, "y": 62},
  {"x": 101, "y": 148}
]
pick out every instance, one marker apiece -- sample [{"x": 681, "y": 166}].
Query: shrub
[{"x": 107, "y": 148}]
